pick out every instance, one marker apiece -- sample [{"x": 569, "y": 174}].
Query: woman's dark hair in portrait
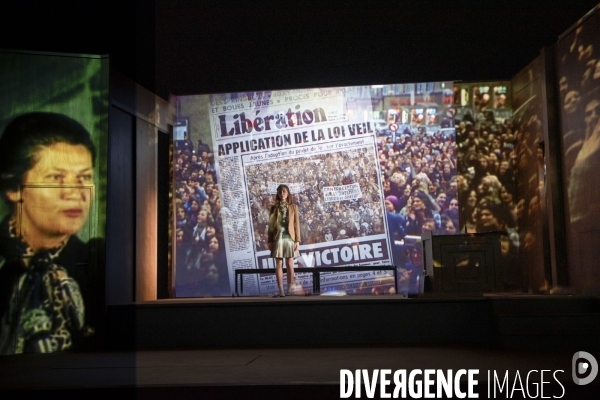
[{"x": 25, "y": 135}]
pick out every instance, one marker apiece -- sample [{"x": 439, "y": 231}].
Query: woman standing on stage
[{"x": 284, "y": 236}]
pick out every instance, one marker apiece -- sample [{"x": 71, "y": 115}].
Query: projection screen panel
[{"x": 354, "y": 158}]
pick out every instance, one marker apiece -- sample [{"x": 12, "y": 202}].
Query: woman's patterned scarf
[{"x": 46, "y": 305}]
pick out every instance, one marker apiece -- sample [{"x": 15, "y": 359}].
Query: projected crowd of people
[
  {"x": 487, "y": 161},
  {"x": 419, "y": 183},
  {"x": 309, "y": 179},
  {"x": 579, "y": 87},
  {"x": 200, "y": 250},
  {"x": 420, "y": 189}
]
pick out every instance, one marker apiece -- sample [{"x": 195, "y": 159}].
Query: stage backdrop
[
  {"x": 578, "y": 74},
  {"x": 53, "y": 129},
  {"x": 355, "y": 159},
  {"x": 487, "y": 169}
]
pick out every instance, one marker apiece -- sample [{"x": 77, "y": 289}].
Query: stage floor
[
  {"x": 255, "y": 366},
  {"x": 513, "y": 326}
]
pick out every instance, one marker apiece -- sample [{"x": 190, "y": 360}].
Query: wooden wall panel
[
  {"x": 146, "y": 210},
  {"x": 120, "y": 222}
]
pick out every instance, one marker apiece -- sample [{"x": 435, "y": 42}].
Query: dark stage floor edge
[{"x": 505, "y": 321}]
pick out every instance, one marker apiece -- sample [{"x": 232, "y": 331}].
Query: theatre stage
[{"x": 294, "y": 348}]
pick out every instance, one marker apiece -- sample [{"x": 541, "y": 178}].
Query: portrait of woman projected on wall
[{"x": 46, "y": 276}]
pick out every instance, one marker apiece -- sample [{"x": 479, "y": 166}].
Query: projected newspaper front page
[
  {"x": 325, "y": 145},
  {"x": 326, "y": 154}
]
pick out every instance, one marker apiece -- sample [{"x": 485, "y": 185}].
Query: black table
[{"x": 239, "y": 274}]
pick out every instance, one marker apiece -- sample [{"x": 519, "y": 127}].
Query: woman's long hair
[{"x": 280, "y": 188}]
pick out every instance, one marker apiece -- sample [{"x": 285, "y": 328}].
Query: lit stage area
[
  {"x": 431, "y": 224},
  {"x": 501, "y": 321}
]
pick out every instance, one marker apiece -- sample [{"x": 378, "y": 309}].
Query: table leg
[{"x": 318, "y": 280}]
